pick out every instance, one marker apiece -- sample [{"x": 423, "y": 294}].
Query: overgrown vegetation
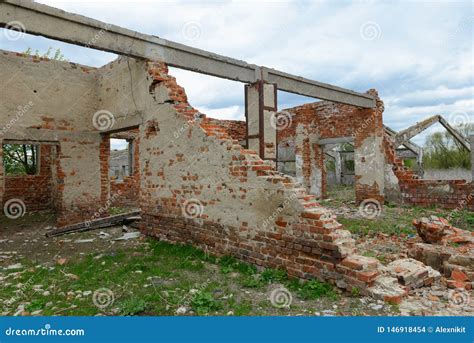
[
  {"x": 20, "y": 159},
  {"x": 442, "y": 151},
  {"x": 49, "y": 54},
  {"x": 156, "y": 279}
]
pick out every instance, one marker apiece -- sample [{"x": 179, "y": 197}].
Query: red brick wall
[
  {"x": 456, "y": 194},
  {"x": 237, "y": 129},
  {"x": 236, "y": 189},
  {"x": 330, "y": 120},
  {"x": 34, "y": 190},
  {"x": 126, "y": 193}
]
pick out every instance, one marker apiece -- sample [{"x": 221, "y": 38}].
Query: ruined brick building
[{"x": 198, "y": 180}]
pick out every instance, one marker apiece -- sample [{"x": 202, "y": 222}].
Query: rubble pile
[{"x": 447, "y": 249}]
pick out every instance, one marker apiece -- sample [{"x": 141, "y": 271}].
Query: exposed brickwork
[
  {"x": 129, "y": 187},
  {"x": 455, "y": 194},
  {"x": 300, "y": 236},
  {"x": 322, "y": 120},
  {"x": 447, "y": 249},
  {"x": 34, "y": 190},
  {"x": 236, "y": 129}
]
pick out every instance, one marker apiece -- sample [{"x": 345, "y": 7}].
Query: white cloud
[
  {"x": 228, "y": 113},
  {"x": 421, "y": 61}
]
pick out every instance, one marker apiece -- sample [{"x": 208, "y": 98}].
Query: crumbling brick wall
[
  {"x": 455, "y": 194},
  {"x": 237, "y": 129},
  {"x": 34, "y": 190},
  {"x": 310, "y": 123},
  {"x": 199, "y": 186},
  {"x": 125, "y": 193},
  {"x": 54, "y": 101}
]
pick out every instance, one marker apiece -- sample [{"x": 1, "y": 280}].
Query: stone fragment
[{"x": 412, "y": 273}]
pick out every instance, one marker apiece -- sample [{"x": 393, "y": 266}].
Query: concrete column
[
  {"x": 472, "y": 158},
  {"x": 338, "y": 166},
  {"x": 419, "y": 160},
  {"x": 2, "y": 183},
  {"x": 262, "y": 124}
]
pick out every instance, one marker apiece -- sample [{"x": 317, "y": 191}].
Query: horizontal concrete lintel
[
  {"x": 125, "y": 123},
  {"x": 337, "y": 140},
  {"x": 302, "y": 86},
  {"x": 43, "y": 135},
  {"x": 42, "y": 20}
]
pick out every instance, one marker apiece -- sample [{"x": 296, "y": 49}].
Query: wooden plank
[{"x": 95, "y": 224}]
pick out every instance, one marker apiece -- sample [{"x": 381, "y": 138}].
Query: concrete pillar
[
  {"x": 419, "y": 160},
  {"x": 1, "y": 177},
  {"x": 262, "y": 124},
  {"x": 472, "y": 158},
  {"x": 338, "y": 166}
]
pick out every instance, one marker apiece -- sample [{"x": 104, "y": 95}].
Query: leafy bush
[
  {"x": 132, "y": 306},
  {"x": 204, "y": 303}
]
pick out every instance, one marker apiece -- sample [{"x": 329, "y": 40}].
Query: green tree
[
  {"x": 20, "y": 159},
  {"x": 442, "y": 151}
]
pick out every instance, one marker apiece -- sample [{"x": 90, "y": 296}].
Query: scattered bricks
[
  {"x": 388, "y": 289},
  {"x": 451, "y": 253},
  {"x": 459, "y": 275},
  {"x": 412, "y": 273},
  {"x": 358, "y": 262},
  {"x": 367, "y": 277},
  {"x": 431, "y": 230}
]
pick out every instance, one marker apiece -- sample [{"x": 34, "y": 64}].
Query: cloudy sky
[{"x": 417, "y": 54}]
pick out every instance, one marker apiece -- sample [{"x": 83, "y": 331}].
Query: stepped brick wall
[
  {"x": 201, "y": 187},
  {"x": 455, "y": 194}
]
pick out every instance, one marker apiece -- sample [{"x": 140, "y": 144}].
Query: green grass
[
  {"x": 312, "y": 289},
  {"x": 204, "y": 303},
  {"x": 394, "y": 219},
  {"x": 132, "y": 306},
  {"x": 155, "y": 278}
]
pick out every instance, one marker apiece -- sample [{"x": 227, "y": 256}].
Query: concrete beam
[
  {"x": 415, "y": 148},
  {"x": 49, "y": 22},
  {"x": 458, "y": 136},
  {"x": 299, "y": 85},
  {"x": 410, "y": 132},
  {"x": 472, "y": 157},
  {"x": 405, "y": 135}
]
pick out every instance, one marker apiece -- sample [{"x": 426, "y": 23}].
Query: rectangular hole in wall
[
  {"x": 120, "y": 163},
  {"x": 21, "y": 159}
]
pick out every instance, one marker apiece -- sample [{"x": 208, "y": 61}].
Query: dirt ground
[{"x": 93, "y": 273}]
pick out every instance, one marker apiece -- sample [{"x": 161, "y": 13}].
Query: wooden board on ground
[{"x": 94, "y": 224}]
